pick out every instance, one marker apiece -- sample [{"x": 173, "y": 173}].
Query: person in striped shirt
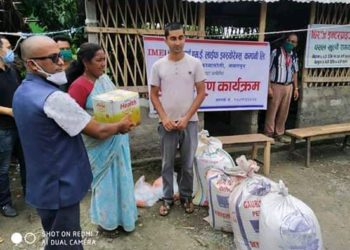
[{"x": 283, "y": 85}]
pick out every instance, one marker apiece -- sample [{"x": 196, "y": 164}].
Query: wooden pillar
[
  {"x": 201, "y": 35},
  {"x": 311, "y": 21},
  {"x": 262, "y": 23},
  {"x": 313, "y": 13},
  {"x": 91, "y": 19},
  {"x": 253, "y": 116},
  {"x": 202, "y": 20},
  {"x": 305, "y": 72}
]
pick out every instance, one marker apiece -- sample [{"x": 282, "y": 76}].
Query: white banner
[
  {"x": 237, "y": 71},
  {"x": 328, "y": 47}
]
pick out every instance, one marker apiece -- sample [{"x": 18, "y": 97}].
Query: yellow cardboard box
[{"x": 112, "y": 106}]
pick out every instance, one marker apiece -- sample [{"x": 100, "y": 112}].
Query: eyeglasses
[{"x": 54, "y": 57}]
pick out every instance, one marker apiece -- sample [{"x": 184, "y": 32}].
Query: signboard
[
  {"x": 327, "y": 47},
  {"x": 237, "y": 71}
]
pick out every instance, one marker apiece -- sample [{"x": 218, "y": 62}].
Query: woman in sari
[{"x": 112, "y": 201}]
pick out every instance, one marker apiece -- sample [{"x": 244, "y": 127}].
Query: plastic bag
[
  {"x": 144, "y": 193},
  {"x": 157, "y": 187},
  {"x": 288, "y": 223}
]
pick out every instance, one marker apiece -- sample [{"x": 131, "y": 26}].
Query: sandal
[
  {"x": 188, "y": 205},
  {"x": 108, "y": 233},
  {"x": 164, "y": 209}
]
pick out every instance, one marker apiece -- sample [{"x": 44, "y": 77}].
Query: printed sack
[
  {"x": 220, "y": 186},
  {"x": 209, "y": 155},
  {"x": 244, "y": 208},
  {"x": 288, "y": 223}
]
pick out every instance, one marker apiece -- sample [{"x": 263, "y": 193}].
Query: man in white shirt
[{"x": 177, "y": 76}]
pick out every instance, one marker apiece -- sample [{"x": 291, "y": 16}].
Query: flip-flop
[
  {"x": 188, "y": 205},
  {"x": 165, "y": 208}
]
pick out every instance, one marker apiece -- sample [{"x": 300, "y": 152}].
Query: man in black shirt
[{"x": 9, "y": 81}]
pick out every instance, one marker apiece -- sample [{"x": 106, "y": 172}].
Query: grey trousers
[{"x": 187, "y": 139}]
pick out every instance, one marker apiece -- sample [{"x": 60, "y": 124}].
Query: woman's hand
[{"x": 126, "y": 125}]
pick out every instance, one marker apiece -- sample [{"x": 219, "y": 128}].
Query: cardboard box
[{"x": 112, "y": 106}]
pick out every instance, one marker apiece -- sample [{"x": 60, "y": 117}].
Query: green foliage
[
  {"x": 55, "y": 14},
  {"x": 35, "y": 27}
]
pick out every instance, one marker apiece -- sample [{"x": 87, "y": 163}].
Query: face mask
[
  {"x": 66, "y": 55},
  {"x": 288, "y": 47},
  {"x": 58, "y": 78},
  {"x": 9, "y": 57}
]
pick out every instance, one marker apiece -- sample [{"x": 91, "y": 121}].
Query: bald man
[{"x": 49, "y": 122}]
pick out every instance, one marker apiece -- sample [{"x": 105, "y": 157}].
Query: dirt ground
[{"x": 324, "y": 187}]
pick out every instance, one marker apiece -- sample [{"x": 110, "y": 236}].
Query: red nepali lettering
[
  {"x": 210, "y": 85},
  {"x": 251, "y": 204},
  {"x": 339, "y": 35},
  {"x": 318, "y": 34},
  {"x": 223, "y": 215},
  {"x": 239, "y": 85},
  {"x": 224, "y": 189}
]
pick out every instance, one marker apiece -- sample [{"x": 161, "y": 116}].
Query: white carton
[{"x": 112, "y": 106}]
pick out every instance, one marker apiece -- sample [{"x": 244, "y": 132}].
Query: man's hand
[
  {"x": 6, "y": 111},
  {"x": 168, "y": 124},
  {"x": 296, "y": 94},
  {"x": 125, "y": 125},
  {"x": 270, "y": 92},
  {"x": 181, "y": 123}
]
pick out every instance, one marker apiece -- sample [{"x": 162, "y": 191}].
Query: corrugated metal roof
[
  {"x": 228, "y": 1},
  {"x": 322, "y": 1},
  {"x": 268, "y": 1}
]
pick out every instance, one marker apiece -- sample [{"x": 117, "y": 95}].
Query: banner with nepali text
[
  {"x": 237, "y": 71},
  {"x": 328, "y": 47}
]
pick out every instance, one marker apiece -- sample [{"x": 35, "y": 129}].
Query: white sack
[
  {"x": 288, "y": 223},
  {"x": 220, "y": 187},
  {"x": 244, "y": 207},
  {"x": 209, "y": 155}
]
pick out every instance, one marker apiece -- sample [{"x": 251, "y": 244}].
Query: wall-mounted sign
[
  {"x": 328, "y": 46},
  {"x": 237, "y": 71}
]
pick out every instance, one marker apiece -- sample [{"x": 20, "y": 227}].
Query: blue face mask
[{"x": 9, "y": 57}]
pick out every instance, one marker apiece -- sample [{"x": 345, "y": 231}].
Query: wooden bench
[
  {"x": 256, "y": 140},
  {"x": 317, "y": 132}
]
